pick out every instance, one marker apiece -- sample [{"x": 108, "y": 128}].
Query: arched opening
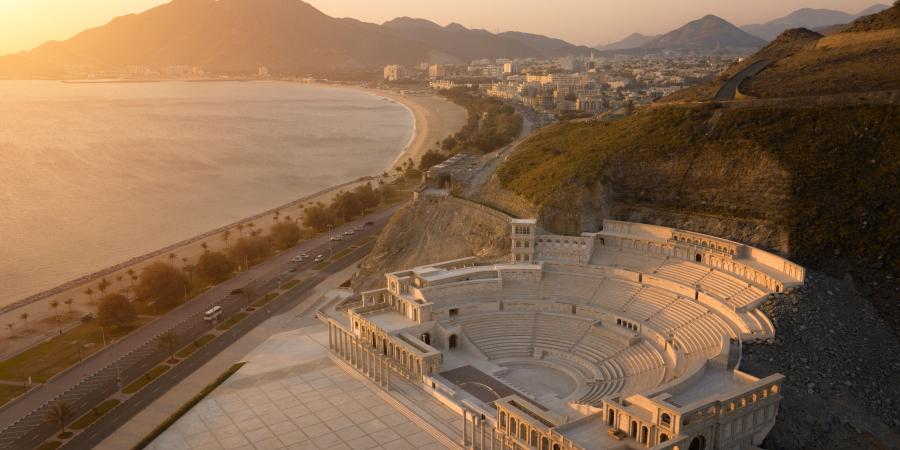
[
  {"x": 426, "y": 338},
  {"x": 512, "y": 426},
  {"x": 611, "y": 418},
  {"x": 555, "y": 446},
  {"x": 502, "y": 420},
  {"x": 545, "y": 444},
  {"x": 633, "y": 431},
  {"x": 645, "y": 433},
  {"x": 663, "y": 437},
  {"x": 698, "y": 443},
  {"x": 452, "y": 341},
  {"x": 698, "y": 258},
  {"x": 534, "y": 438},
  {"x": 523, "y": 432},
  {"x": 666, "y": 419}
]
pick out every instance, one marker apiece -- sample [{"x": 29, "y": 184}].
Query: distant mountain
[
  {"x": 707, "y": 33},
  {"x": 813, "y": 19},
  {"x": 287, "y": 36},
  {"x": 549, "y": 47},
  {"x": 633, "y": 40}
]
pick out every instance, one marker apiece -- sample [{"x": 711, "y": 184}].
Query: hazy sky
[{"x": 24, "y": 24}]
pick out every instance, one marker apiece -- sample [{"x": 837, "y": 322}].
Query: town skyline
[{"x": 604, "y": 21}]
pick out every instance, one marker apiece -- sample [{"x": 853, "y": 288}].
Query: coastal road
[
  {"x": 135, "y": 404},
  {"x": 268, "y": 270},
  {"x": 729, "y": 89}
]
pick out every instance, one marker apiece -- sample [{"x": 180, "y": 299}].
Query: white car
[
  {"x": 297, "y": 259},
  {"x": 349, "y": 233},
  {"x": 337, "y": 238},
  {"x": 319, "y": 258}
]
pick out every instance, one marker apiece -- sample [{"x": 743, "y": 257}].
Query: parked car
[
  {"x": 292, "y": 269},
  {"x": 87, "y": 317},
  {"x": 304, "y": 255},
  {"x": 349, "y": 233},
  {"x": 319, "y": 258},
  {"x": 237, "y": 291},
  {"x": 296, "y": 259},
  {"x": 337, "y": 238},
  {"x": 360, "y": 228},
  {"x": 369, "y": 224}
]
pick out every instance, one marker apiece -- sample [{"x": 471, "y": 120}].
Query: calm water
[{"x": 94, "y": 174}]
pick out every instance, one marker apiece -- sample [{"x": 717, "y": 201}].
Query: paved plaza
[{"x": 290, "y": 394}]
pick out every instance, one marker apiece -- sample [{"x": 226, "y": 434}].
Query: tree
[
  {"x": 68, "y": 303},
  {"x": 226, "y": 236},
  {"x": 119, "y": 279},
  {"x": 168, "y": 342},
  {"x": 24, "y": 317},
  {"x": 172, "y": 257},
  {"x": 55, "y": 306},
  {"x": 60, "y": 413},
  {"x": 248, "y": 250},
  {"x": 240, "y": 228},
  {"x": 103, "y": 285},
  {"x": 368, "y": 197},
  {"x": 318, "y": 217},
  {"x": 205, "y": 246},
  {"x": 430, "y": 159},
  {"x": 285, "y": 235},
  {"x": 131, "y": 274},
  {"x": 90, "y": 293},
  {"x": 387, "y": 192},
  {"x": 214, "y": 267},
  {"x": 116, "y": 310},
  {"x": 10, "y": 327},
  {"x": 189, "y": 270},
  {"x": 347, "y": 206},
  {"x": 163, "y": 284}
]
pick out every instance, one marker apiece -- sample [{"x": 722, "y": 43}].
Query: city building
[{"x": 394, "y": 73}]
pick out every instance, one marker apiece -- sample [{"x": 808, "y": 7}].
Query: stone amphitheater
[{"x": 622, "y": 339}]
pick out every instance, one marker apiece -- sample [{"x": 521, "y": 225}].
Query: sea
[{"x": 94, "y": 174}]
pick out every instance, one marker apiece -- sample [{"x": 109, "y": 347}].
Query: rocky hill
[
  {"x": 287, "y": 36},
  {"x": 707, "y": 33},
  {"x": 633, "y": 40}
]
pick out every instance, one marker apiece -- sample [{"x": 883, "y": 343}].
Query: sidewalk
[{"x": 148, "y": 419}]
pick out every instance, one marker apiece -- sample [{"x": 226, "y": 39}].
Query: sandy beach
[{"x": 435, "y": 119}]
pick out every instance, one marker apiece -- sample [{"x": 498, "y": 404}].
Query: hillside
[
  {"x": 633, "y": 40},
  {"x": 707, "y": 33},
  {"x": 287, "y": 36}
]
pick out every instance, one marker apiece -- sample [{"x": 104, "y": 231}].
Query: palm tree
[
  {"x": 240, "y": 228},
  {"x": 102, "y": 285},
  {"x": 172, "y": 257},
  {"x": 183, "y": 262},
  {"x": 250, "y": 292},
  {"x": 287, "y": 218},
  {"x": 205, "y": 246},
  {"x": 10, "y": 326},
  {"x": 55, "y": 305},
  {"x": 168, "y": 342},
  {"x": 24, "y": 317},
  {"x": 119, "y": 279},
  {"x": 189, "y": 270},
  {"x": 68, "y": 303},
  {"x": 60, "y": 413},
  {"x": 90, "y": 293},
  {"x": 226, "y": 236}
]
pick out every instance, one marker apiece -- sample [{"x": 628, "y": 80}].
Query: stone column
[
  {"x": 493, "y": 438},
  {"x": 465, "y": 425},
  {"x": 473, "y": 430}
]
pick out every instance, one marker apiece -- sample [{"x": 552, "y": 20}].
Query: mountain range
[
  {"x": 813, "y": 19},
  {"x": 287, "y": 36}
]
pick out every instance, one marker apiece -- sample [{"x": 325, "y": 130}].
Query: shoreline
[{"x": 414, "y": 148}]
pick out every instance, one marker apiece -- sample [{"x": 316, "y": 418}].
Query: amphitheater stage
[
  {"x": 535, "y": 377},
  {"x": 479, "y": 384}
]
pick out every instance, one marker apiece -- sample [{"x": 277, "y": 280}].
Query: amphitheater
[{"x": 622, "y": 339}]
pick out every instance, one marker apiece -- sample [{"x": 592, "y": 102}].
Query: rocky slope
[{"x": 427, "y": 232}]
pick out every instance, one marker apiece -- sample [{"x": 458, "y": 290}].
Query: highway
[
  {"x": 729, "y": 89},
  {"x": 31, "y": 431}
]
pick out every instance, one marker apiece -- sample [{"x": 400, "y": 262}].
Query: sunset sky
[{"x": 24, "y": 24}]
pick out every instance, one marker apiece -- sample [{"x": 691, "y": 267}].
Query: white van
[{"x": 213, "y": 313}]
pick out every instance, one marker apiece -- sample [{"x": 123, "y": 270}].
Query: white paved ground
[{"x": 291, "y": 395}]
